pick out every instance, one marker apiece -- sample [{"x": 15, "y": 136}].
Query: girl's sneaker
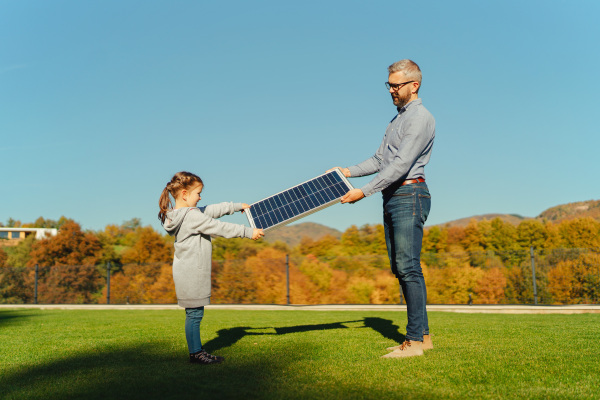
[{"x": 202, "y": 357}]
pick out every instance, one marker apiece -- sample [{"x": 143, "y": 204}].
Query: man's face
[{"x": 402, "y": 95}]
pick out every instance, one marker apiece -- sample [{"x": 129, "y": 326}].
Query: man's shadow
[
  {"x": 229, "y": 337},
  {"x": 386, "y": 328}
]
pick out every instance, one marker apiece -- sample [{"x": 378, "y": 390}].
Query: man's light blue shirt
[{"x": 404, "y": 151}]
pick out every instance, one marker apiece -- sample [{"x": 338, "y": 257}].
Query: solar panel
[{"x": 298, "y": 201}]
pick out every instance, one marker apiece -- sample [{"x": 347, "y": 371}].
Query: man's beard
[{"x": 401, "y": 101}]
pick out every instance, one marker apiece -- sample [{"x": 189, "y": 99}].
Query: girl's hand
[
  {"x": 345, "y": 171},
  {"x": 245, "y": 206},
  {"x": 258, "y": 233}
]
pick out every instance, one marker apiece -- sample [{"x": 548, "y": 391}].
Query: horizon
[{"x": 303, "y": 221}]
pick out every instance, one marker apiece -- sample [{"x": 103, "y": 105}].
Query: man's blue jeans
[
  {"x": 193, "y": 317},
  {"x": 405, "y": 210}
]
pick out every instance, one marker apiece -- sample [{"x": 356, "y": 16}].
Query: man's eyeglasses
[{"x": 395, "y": 86}]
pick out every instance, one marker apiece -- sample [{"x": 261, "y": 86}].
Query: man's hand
[
  {"x": 345, "y": 171},
  {"x": 353, "y": 196}
]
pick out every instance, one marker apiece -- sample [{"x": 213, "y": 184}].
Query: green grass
[{"x": 128, "y": 354}]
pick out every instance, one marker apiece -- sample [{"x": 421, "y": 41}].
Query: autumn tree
[
  {"x": 327, "y": 247},
  {"x": 580, "y": 233},
  {"x": 67, "y": 265},
  {"x": 236, "y": 248},
  {"x": 9, "y": 281},
  {"x": 267, "y": 268},
  {"x": 369, "y": 239},
  {"x": 490, "y": 287},
  {"x": 451, "y": 284},
  {"x": 532, "y": 233},
  {"x": 234, "y": 283},
  {"x": 435, "y": 239},
  {"x": 147, "y": 247},
  {"x": 143, "y": 284},
  {"x": 576, "y": 282}
]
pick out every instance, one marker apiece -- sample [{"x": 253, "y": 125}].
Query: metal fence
[{"x": 555, "y": 276}]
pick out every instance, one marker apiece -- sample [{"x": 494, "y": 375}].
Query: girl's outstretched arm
[{"x": 220, "y": 209}]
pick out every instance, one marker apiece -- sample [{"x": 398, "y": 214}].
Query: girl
[{"x": 192, "y": 228}]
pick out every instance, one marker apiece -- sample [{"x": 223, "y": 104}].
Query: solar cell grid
[{"x": 298, "y": 201}]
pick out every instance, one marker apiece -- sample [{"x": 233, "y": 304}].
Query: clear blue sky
[{"x": 101, "y": 102}]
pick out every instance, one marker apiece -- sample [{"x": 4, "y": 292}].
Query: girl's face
[{"x": 192, "y": 197}]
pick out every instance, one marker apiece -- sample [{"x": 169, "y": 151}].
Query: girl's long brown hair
[{"x": 181, "y": 180}]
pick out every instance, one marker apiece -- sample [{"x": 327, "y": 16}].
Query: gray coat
[{"x": 193, "y": 228}]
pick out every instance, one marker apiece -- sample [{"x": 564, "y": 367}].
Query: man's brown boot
[
  {"x": 409, "y": 348},
  {"x": 427, "y": 344}
]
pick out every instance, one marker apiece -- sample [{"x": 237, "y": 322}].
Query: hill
[
  {"x": 462, "y": 222},
  {"x": 292, "y": 234},
  {"x": 581, "y": 209},
  {"x": 556, "y": 214}
]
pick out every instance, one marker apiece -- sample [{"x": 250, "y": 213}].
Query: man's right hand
[
  {"x": 353, "y": 196},
  {"x": 345, "y": 171}
]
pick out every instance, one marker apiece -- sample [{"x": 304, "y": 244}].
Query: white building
[{"x": 12, "y": 236}]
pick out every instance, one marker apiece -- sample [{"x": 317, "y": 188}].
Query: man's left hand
[{"x": 353, "y": 196}]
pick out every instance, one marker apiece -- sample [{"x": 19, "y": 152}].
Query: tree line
[{"x": 486, "y": 262}]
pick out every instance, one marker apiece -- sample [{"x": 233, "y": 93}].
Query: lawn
[{"x": 131, "y": 354}]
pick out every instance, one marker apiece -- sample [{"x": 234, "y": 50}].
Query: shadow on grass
[
  {"x": 386, "y": 328},
  {"x": 11, "y": 317},
  {"x": 153, "y": 371},
  {"x": 229, "y": 337},
  {"x": 140, "y": 372}
]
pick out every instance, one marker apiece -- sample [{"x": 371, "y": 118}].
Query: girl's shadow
[{"x": 229, "y": 337}]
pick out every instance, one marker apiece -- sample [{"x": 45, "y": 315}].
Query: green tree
[
  {"x": 532, "y": 233},
  {"x": 580, "y": 233}
]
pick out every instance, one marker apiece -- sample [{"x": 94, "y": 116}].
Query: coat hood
[{"x": 175, "y": 219}]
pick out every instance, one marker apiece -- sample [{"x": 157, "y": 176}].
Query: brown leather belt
[{"x": 411, "y": 181}]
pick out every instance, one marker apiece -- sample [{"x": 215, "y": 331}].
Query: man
[{"x": 399, "y": 164}]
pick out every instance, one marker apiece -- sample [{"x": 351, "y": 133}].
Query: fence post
[
  {"x": 108, "y": 282},
  {"x": 35, "y": 299},
  {"x": 535, "y": 299},
  {"x": 287, "y": 277}
]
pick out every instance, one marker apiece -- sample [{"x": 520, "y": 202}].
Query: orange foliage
[
  {"x": 70, "y": 246},
  {"x": 149, "y": 247},
  {"x": 490, "y": 287},
  {"x": 234, "y": 284},
  {"x": 143, "y": 284},
  {"x": 576, "y": 282},
  {"x": 268, "y": 273},
  {"x": 67, "y": 266},
  {"x": 451, "y": 285}
]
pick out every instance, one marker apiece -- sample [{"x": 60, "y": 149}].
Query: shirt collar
[{"x": 415, "y": 101}]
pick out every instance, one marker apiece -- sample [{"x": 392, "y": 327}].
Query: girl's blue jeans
[
  {"x": 193, "y": 317},
  {"x": 405, "y": 211}
]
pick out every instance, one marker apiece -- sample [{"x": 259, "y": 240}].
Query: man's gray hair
[{"x": 410, "y": 69}]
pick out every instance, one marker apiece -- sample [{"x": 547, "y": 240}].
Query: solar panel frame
[{"x": 298, "y": 201}]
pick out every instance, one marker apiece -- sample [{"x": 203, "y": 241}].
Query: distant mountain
[
  {"x": 581, "y": 209},
  {"x": 462, "y": 222},
  {"x": 590, "y": 208},
  {"x": 292, "y": 234}
]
